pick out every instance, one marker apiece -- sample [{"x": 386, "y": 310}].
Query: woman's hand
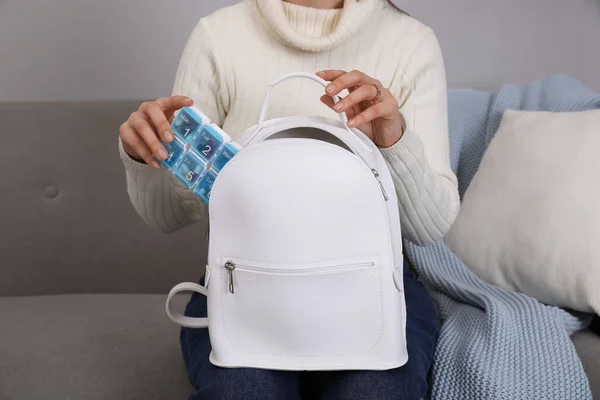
[
  {"x": 370, "y": 107},
  {"x": 141, "y": 132}
]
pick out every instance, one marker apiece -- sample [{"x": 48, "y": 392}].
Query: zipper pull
[
  {"x": 206, "y": 276},
  {"x": 380, "y": 184},
  {"x": 229, "y": 266}
]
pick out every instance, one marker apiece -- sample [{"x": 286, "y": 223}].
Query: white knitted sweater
[{"x": 234, "y": 53}]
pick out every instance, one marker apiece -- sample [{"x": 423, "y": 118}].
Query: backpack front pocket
[{"x": 327, "y": 309}]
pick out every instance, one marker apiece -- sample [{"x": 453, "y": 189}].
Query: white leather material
[
  {"x": 368, "y": 153},
  {"x": 305, "y": 254},
  {"x": 321, "y": 81}
]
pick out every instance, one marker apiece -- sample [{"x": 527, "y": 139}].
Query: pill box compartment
[
  {"x": 187, "y": 123},
  {"x": 225, "y": 155},
  {"x": 205, "y": 184},
  {"x": 208, "y": 141},
  {"x": 175, "y": 149},
  {"x": 189, "y": 168}
]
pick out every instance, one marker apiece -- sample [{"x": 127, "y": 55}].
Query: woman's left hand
[{"x": 370, "y": 107}]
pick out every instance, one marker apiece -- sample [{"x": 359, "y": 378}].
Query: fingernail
[
  {"x": 155, "y": 164},
  {"x": 351, "y": 123},
  {"x": 168, "y": 136},
  {"x": 320, "y": 73},
  {"x": 162, "y": 154},
  {"x": 330, "y": 88},
  {"x": 188, "y": 100},
  {"x": 338, "y": 107}
]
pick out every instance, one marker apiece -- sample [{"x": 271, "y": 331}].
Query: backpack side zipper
[{"x": 376, "y": 173}]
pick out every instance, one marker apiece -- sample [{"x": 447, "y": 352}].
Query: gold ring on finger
[{"x": 379, "y": 89}]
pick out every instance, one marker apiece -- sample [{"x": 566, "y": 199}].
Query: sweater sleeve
[
  {"x": 158, "y": 197},
  {"x": 419, "y": 162}
]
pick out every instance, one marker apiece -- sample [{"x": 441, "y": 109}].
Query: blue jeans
[
  {"x": 408, "y": 382},
  {"x": 596, "y": 325}
]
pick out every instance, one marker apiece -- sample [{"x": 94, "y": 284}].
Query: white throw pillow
[{"x": 530, "y": 220}]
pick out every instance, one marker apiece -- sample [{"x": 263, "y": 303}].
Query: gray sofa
[{"x": 82, "y": 279}]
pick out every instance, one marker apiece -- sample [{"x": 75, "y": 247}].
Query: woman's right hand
[{"x": 143, "y": 130}]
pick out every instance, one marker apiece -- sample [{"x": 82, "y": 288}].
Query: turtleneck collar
[{"x": 312, "y": 29}]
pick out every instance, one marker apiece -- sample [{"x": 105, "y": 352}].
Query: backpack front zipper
[{"x": 230, "y": 266}]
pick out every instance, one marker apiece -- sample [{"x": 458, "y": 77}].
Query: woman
[{"x": 392, "y": 68}]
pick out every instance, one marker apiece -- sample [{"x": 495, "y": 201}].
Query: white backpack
[{"x": 305, "y": 259}]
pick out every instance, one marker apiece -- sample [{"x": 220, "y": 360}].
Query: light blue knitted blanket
[{"x": 496, "y": 344}]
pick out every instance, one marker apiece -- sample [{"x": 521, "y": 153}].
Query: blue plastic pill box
[
  {"x": 208, "y": 141},
  {"x": 204, "y": 187},
  {"x": 175, "y": 150},
  {"x": 189, "y": 168},
  {"x": 188, "y": 122},
  {"x": 225, "y": 155}
]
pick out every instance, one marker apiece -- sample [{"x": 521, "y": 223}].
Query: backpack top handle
[{"x": 324, "y": 83}]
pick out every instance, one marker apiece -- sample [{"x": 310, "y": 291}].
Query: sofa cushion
[
  {"x": 587, "y": 344},
  {"x": 529, "y": 220},
  {"x": 68, "y": 225},
  {"x": 90, "y": 347},
  {"x": 116, "y": 347}
]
